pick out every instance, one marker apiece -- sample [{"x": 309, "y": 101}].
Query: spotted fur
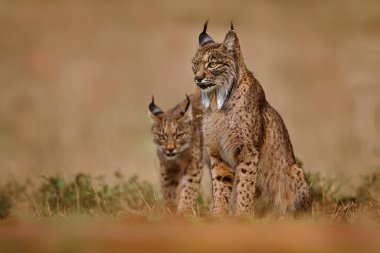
[
  {"x": 252, "y": 162},
  {"x": 177, "y": 136}
]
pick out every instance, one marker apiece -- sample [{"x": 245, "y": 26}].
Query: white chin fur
[
  {"x": 221, "y": 96},
  {"x": 170, "y": 157}
]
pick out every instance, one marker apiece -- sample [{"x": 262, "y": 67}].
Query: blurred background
[{"x": 76, "y": 78}]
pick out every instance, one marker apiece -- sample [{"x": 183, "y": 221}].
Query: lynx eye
[
  {"x": 213, "y": 65},
  {"x": 179, "y": 135},
  {"x": 161, "y": 137}
]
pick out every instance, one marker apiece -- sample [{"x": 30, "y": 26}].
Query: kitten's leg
[
  {"x": 169, "y": 183},
  {"x": 222, "y": 178},
  {"x": 245, "y": 180},
  {"x": 189, "y": 188}
]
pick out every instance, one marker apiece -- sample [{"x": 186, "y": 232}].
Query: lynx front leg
[
  {"x": 189, "y": 188},
  {"x": 245, "y": 180},
  {"x": 222, "y": 178},
  {"x": 169, "y": 184}
]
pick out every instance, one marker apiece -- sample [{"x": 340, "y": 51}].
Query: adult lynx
[{"x": 252, "y": 162}]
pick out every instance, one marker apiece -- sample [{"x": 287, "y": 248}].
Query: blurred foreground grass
[
  {"x": 177, "y": 235},
  {"x": 125, "y": 214}
]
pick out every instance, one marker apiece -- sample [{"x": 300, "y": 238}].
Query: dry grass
[{"x": 121, "y": 197}]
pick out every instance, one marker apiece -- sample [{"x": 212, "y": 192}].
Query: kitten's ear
[
  {"x": 187, "y": 112},
  {"x": 231, "y": 41},
  {"x": 154, "y": 111},
  {"x": 204, "y": 38}
]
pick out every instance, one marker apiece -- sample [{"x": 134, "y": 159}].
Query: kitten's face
[
  {"x": 171, "y": 135},
  {"x": 172, "y": 132}
]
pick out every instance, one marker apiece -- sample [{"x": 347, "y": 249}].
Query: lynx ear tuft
[
  {"x": 187, "y": 113},
  {"x": 188, "y": 103},
  {"x": 232, "y": 26},
  {"x": 204, "y": 38},
  {"x": 154, "y": 110}
]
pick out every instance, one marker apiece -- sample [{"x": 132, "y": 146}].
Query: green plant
[
  {"x": 86, "y": 195},
  {"x": 10, "y": 193},
  {"x": 323, "y": 189},
  {"x": 5, "y": 206},
  {"x": 370, "y": 187}
]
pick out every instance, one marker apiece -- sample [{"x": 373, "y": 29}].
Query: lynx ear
[
  {"x": 231, "y": 41},
  {"x": 154, "y": 110},
  {"x": 187, "y": 112},
  {"x": 204, "y": 38}
]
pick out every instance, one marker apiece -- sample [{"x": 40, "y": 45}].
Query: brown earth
[{"x": 182, "y": 236}]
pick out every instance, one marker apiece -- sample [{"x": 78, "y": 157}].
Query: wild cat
[
  {"x": 253, "y": 166},
  {"x": 177, "y": 135}
]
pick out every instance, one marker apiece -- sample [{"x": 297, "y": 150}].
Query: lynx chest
[{"x": 221, "y": 136}]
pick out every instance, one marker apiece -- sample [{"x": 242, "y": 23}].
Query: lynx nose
[
  {"x": 170, "y": 150},
  {"x": 198, "y": 79}
]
